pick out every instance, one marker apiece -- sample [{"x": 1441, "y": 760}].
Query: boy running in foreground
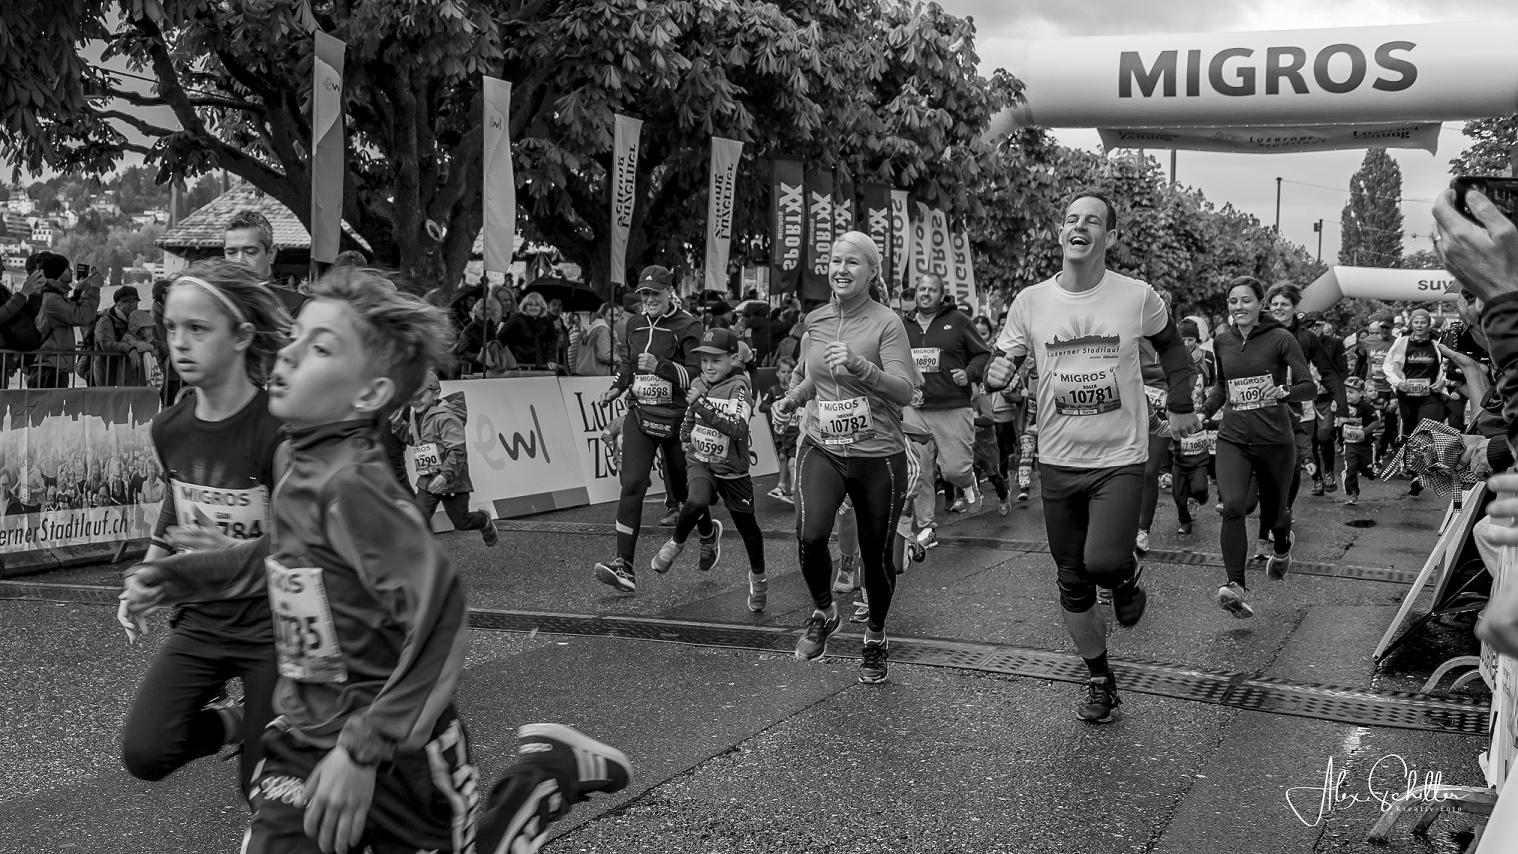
[{"x": 369, "y": 615}]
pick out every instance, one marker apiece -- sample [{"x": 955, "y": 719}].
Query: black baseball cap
[
  {"x": 1313, "y": 317},
  {"x": 719, "y": 342},
  {"x": 654, "y": 278}
]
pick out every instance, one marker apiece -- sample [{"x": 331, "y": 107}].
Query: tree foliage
[
  {"x": 882, "y": 89},
  {"x": 1372, "y": 220},
  {"x": 1491, "y": 154}
]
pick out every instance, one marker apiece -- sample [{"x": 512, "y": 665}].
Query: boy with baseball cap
[{"x": 715, "y": 436}]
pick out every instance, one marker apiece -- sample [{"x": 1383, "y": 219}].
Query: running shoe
[
  {"x": 1352, "y": 500},
  {"x": 1280, "y": 564},
  {"x": 758, "y": 591},
  {"x": 778, "y": 494},
  {"x": 618, "y": 573},
  {"x": 1165, "y": 481},
  {"x": 959, "y": 505},
  {"x": 1184, "y": 529},
  {"x": 670, "y": 518},
  {"x": 1141, "y": 542},
  {"x": 1263, "y": 549},
  {"x": 231, "y": 713},
  {"x": 928, "y": 537},
  {"x": 1022, "y": 494},
  {"x": 1100, "y": 706},
  {"x": 592, "y": 767},
  {"x": 711, "y": 548},
  {"x": 873, "y": 665},
  {"x": 1103, "y": 596},
  {"x": 1416, "y": 488},
  {"x": 1317, "y": 488},
  {"x": 1129, "y": 600},
  {"x": 1331, "y": 484},
  {"x": 1231, "y": 599},
  {"x": 1004, "y": 506},
  {"x": 1193, "y": 507},
  {"x": 916, "y": 551},
  {"x": 861, "y": 611},
  {"x": 666, "y": 556},
  {"x": 814, "y": 636},
  {"x": 972, "y": 497},
  {"x": 488, "y": 533},
  {"x": 846, "y": 580}
]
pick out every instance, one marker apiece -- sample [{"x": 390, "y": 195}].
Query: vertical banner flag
[
  {"x": 843, "y": 203},
  {"x": 938, "y": 248},
  {"x": 500, "y": 182},
  {"x": 624, "y": 180},
  {"x": 961, "y": 268},
  {"x": 901, "y": 239},
  {"x": 875, "y": 210},
  {"x": 819, "y": 235},
  {"x": 720, "y": 197},
  {"x": 328, "y": 145},
  {"x": 788, "y": 224},
  {"x": 922, "y": 244}
]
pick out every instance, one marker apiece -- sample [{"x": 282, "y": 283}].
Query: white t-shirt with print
[{"x": 1091, "y": 407}]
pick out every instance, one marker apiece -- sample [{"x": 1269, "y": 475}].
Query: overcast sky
[{"x": 1248, "y": 180}]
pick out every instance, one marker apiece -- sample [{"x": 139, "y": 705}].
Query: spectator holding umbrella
[{"x": 531, "y": 335}]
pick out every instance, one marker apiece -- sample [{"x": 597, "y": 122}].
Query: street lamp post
[
  {"x": 1318, "y": 227},
  {"x": 1278, "y": 205}
]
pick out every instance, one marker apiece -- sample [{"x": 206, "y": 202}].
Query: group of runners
[{"x": 884, "y": 401}]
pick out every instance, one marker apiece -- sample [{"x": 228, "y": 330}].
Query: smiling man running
[{"x": 1082, "y": 329}]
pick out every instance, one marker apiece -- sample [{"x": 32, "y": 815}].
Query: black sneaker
[
  {"x": 711, "y": 548},
  {"x": 1101, "y": 702},
  {"x": 488, "y": 533},
  {"x": 1331, "y": 484},
  {"x": 670, "y": 519},
  {"x": 814, "y": 636},
  {"x": 873, "y": 666},
  {"x": 618, "y": 573},
  {"x": 1129, "y": 600},
  {"x": 1317, "y": 487},
  {"x": 587, "y": 765},
  {"x": 1352, "y": 500},
  {"x": 1184, "y": 529}
]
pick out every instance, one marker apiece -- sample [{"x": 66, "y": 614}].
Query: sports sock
[
  {"x": 1099, "y": 666},
  {"x": 872, "y": 636}
]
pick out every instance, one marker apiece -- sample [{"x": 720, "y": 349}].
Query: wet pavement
[{"x": 746, "y": 750}]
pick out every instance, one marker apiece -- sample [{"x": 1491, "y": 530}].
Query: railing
[{"x": 41, "y": 369}]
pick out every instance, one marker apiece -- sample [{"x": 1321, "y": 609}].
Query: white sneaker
[
  {"x": 1141, "y": 542},
  {"x": 1231, "y": 599},
  {"x": 972, "y": 497},
  {"x": 927, "y": 538}
]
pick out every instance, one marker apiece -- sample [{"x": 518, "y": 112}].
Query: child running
[
  {"x": 368, "y": 750},
  {"x": 786, "y": 428},
  {"x": 217, "y": 448},
  {"x": 1191, "y": 455},
  {"x": 436, "y": 427},
  {"x": 715, "y": 435},
  {"x": 1361, "y": 424}
]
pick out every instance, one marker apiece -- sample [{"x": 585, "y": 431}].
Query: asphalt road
[{"x": 738, "y": 750}]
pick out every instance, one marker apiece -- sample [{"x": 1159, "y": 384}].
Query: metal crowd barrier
[{"x": 41, "y": 369}]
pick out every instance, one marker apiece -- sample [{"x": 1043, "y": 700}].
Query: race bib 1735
[{"x": 305, "y": 639}]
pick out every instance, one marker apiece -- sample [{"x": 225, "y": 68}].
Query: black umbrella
[{"x": 576, "y": 296}]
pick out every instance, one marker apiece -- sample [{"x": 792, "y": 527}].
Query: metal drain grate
[
  {"x": 1399, "y": 709},
  {"x": 1182, "y": 558}
]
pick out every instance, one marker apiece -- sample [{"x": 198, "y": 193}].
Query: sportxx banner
[
  {"x": 500, "y": 183},
  {"x": 624, "y": 181},
  {"x": 819, "y": 235},
  {"x": 901, "y": 239},
  {"x": 787, "y": 223},
  {"x": 875, "y": 207},
  {"x": 328, "y": 142},
  {"x": 843, "y": 203},
  {"x": 720, "y": 198},
  {"x": 77, "y": 466}
]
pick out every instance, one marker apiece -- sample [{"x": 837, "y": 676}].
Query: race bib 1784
[
  {"x": 305, "y": 639},
  {"x": 242, "y": 514}
]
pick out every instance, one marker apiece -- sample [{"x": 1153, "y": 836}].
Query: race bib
[
  {"x": 1309, "y": 412},
  {"x": 242, "y": 514},
  {"x": 844, "y": 422},
  {"x": 1246, "y": 393},
  {"x": 927, "y": 359},
  {"x": 651, "y": 390},
  {"x": 305, "y": 639},
  {"x": 1354, "y": 433},
  {"x": 709, "y": 443},
  {"x": 1156, "y": 396},
  {"x": 1416, "y": 388},
  {"x": 1086, "y": 394},
  {"x": 1194, "y": 444},
  {"x": 429, "y": 458}
]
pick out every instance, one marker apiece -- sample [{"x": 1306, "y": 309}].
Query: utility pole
[
  {"x": 1278, "y": 205},
  {"x": 1172, "y": 167},
  {"x": 1318, "y": 227}
]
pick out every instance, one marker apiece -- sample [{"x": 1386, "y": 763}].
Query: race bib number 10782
[{"x": 844, "y": 422}]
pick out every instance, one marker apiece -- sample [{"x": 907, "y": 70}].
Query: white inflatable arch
[{"x": 1377, "y": 283}]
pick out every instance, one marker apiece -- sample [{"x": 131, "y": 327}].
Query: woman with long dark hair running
[
  {"x": 859, "y": 374},
  {"x": 1256, "y": 437}
]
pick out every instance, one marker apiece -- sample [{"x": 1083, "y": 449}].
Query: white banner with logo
[
  {"x": 962, "y": 267},
  {"x": 1272, "y": 140},
  {"x": 624, "y": 182},
  {"x": 901, "y": 240},
  {"x": 500, "y": 191},
  {"x": 1359, "y": 75},
  {"x": 720, "y": 198}
]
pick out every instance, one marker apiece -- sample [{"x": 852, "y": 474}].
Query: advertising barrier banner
[
  {"x": 590, "y": 420},
  {"x": 77, "y": 466},
  {"x": 875, "y": 214}
]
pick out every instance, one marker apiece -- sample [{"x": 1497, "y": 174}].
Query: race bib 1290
[
  {"x": 429, "y": 458},
  {"x": 242, "y": 514},
  {"x": 1246, "y": 393},
  {"x": 844, "y": 422},
  {"x": 305, "y": 638}
]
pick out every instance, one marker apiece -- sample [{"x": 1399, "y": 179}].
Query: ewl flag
[
  {"x": 500, "y": 183},
  {"x": 624, "y": 182},
  {"x": 722, "y": 194},
  {"x": 328, "y": 141}
]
